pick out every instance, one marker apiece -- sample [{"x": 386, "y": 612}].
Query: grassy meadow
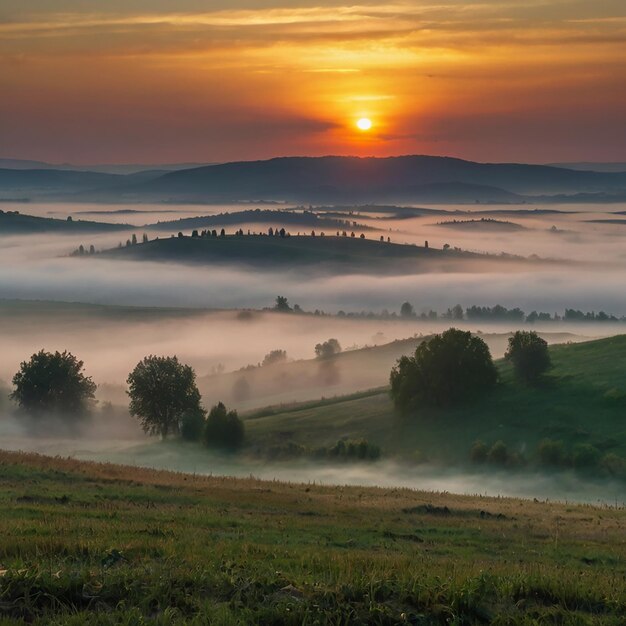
[
  {"x": 86, "y": 543},
  {"x": 581, "y": 401}
]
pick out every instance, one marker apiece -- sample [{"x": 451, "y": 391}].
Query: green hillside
[
  {"x": 101, "y": 544},
  {"x": 330, "y": 253},
  {"x": 582, "y": 401}
]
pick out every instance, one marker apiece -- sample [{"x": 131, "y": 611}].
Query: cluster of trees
[
  {"x": 163, "y": 396},
  {"x": 344, "y": 450},
  {"x": 457, "y": 366},
  {"x": 551, "y": 454},
  {"x": 499, "y": 313}
]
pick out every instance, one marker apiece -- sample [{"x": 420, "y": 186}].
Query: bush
[
  {"x": 327, "y": 349},
  {"x": 615, "y": 465},
  {"x": 273, "y": 357},
  {"x": 478, "y": 453},
  {"x": 529, "y": 354},
  {"x": 498, "y": 454},
  {"x": 551, "y": 453},
  {"x": 53, "y": 383},
  {"x": 223, "y": 429},
  {"x": 586, "y": 456},
  {"x": 446, "y": 369}
]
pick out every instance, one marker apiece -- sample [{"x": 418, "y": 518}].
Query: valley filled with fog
[{"x": 217, "y": 317}]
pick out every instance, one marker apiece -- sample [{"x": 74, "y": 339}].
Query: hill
[
  {"x": 348, "y": 372},
  {"x": 86, "y": 543},
  {"x": 328, "y": 254},
  {"x": 583, "y": 401},
  {"x": 269, "y": 217},
  {"x": 14, "y": 223},
  {"x": 369, "y": 179},
  {"x": 485, "y": 224}
]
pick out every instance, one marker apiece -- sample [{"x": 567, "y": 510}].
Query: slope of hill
[
  {"x": 583, "y": 401},
  {"x": 329, "y": 254},
  {"x": 348, "y": 372},
  {"x": 87, "y": 543},
  {"x": 391, "y": 177},
  {"x": 270, "y": 217},
  {"x": 14, "y": 223}
]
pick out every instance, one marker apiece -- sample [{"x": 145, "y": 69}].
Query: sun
[{"x": 364, "y": 123}]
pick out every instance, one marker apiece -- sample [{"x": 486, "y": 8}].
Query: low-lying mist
[{"x": 189, "y": 458}]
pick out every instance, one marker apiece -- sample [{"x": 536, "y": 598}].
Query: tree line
[{"x": 163, "y": 395}]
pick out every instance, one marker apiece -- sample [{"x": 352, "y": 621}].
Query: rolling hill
[
  {"x": 583, "y": 401},
  {"x": 331, "y": 179},
  {"x": 393, "y": 178},
  {"x": 316, "y": 254},
  {"x": 14, "y": 223}
]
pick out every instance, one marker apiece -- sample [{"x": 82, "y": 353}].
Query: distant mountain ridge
[{"x": 330, "y": 179}]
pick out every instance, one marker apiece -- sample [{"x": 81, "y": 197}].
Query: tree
[
  {"x": 445, "y": 369},
  {"x": 223, "y": 428},
  {"x": 282, "y": 304},
  {"x": 274, "y": 356},
  {"x": 134, "y": 240},
  {"x": 327, "y": 349},
  {"x": 53, "y": 383},
  {"x": 529, "y": 354},
  {"x": 192, "y": 425},
  {"x": 161, "y": 392},
  {"x": 407, "y": 310}
]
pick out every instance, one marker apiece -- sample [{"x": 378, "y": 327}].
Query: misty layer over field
[
  {"x": 194, "y": 312},
  {"x": 590, "y": 278},
  {"x": 561, "y": 486}
]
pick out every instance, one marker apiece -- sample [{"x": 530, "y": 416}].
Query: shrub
[
  {"x": 446, "y": 369},
  {"x": 273, "y": 357},
  {"x": 551, "y": 453},
  {"x": 223, "y": 429},
  {"x": 586, "y": 456},
  {"x": 498, "y": 454},
  {"x": 478, "y": 453},
  {"x": 529, "y": 354},
  {"x": 615, "y": 465},
  {"x": 327, "y": 349}
]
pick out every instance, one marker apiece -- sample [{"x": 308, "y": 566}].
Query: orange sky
[{"x": 158, "y": 81}]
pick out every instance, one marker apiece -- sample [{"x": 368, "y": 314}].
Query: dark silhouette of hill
[
  {"x": 271, "y": 217},
  {"x": 313, "y": 254},
  {"x": 331, "y": 179},
  {"x": 485, "y": 224},
  {"x": 14, "y": 223},
  {"x": 371, "y": 179}
]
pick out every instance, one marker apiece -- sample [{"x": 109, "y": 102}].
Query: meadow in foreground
[{"x": 84, "y": 543}]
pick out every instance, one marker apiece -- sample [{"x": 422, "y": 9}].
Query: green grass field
[
  {"x": 583, "y": 400},
  {"x": 84, "y": 543}
]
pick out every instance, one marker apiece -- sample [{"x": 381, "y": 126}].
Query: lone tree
[
  {"x": 162, "y": 392},
  {"x": 273, "y": 357},
  {"x": 445, "y": 370},
  {"x": 327, "y": 349},
  {"x": 223, "y": 428},
  {"x": 53, "y": 383},
  {"x": 529, "y": 354},
  {"x": 407, "y": 310},
  {"x": 282, "y": 304}
]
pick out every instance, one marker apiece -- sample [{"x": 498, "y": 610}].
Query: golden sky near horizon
[{"x": 161, "y": 81}]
